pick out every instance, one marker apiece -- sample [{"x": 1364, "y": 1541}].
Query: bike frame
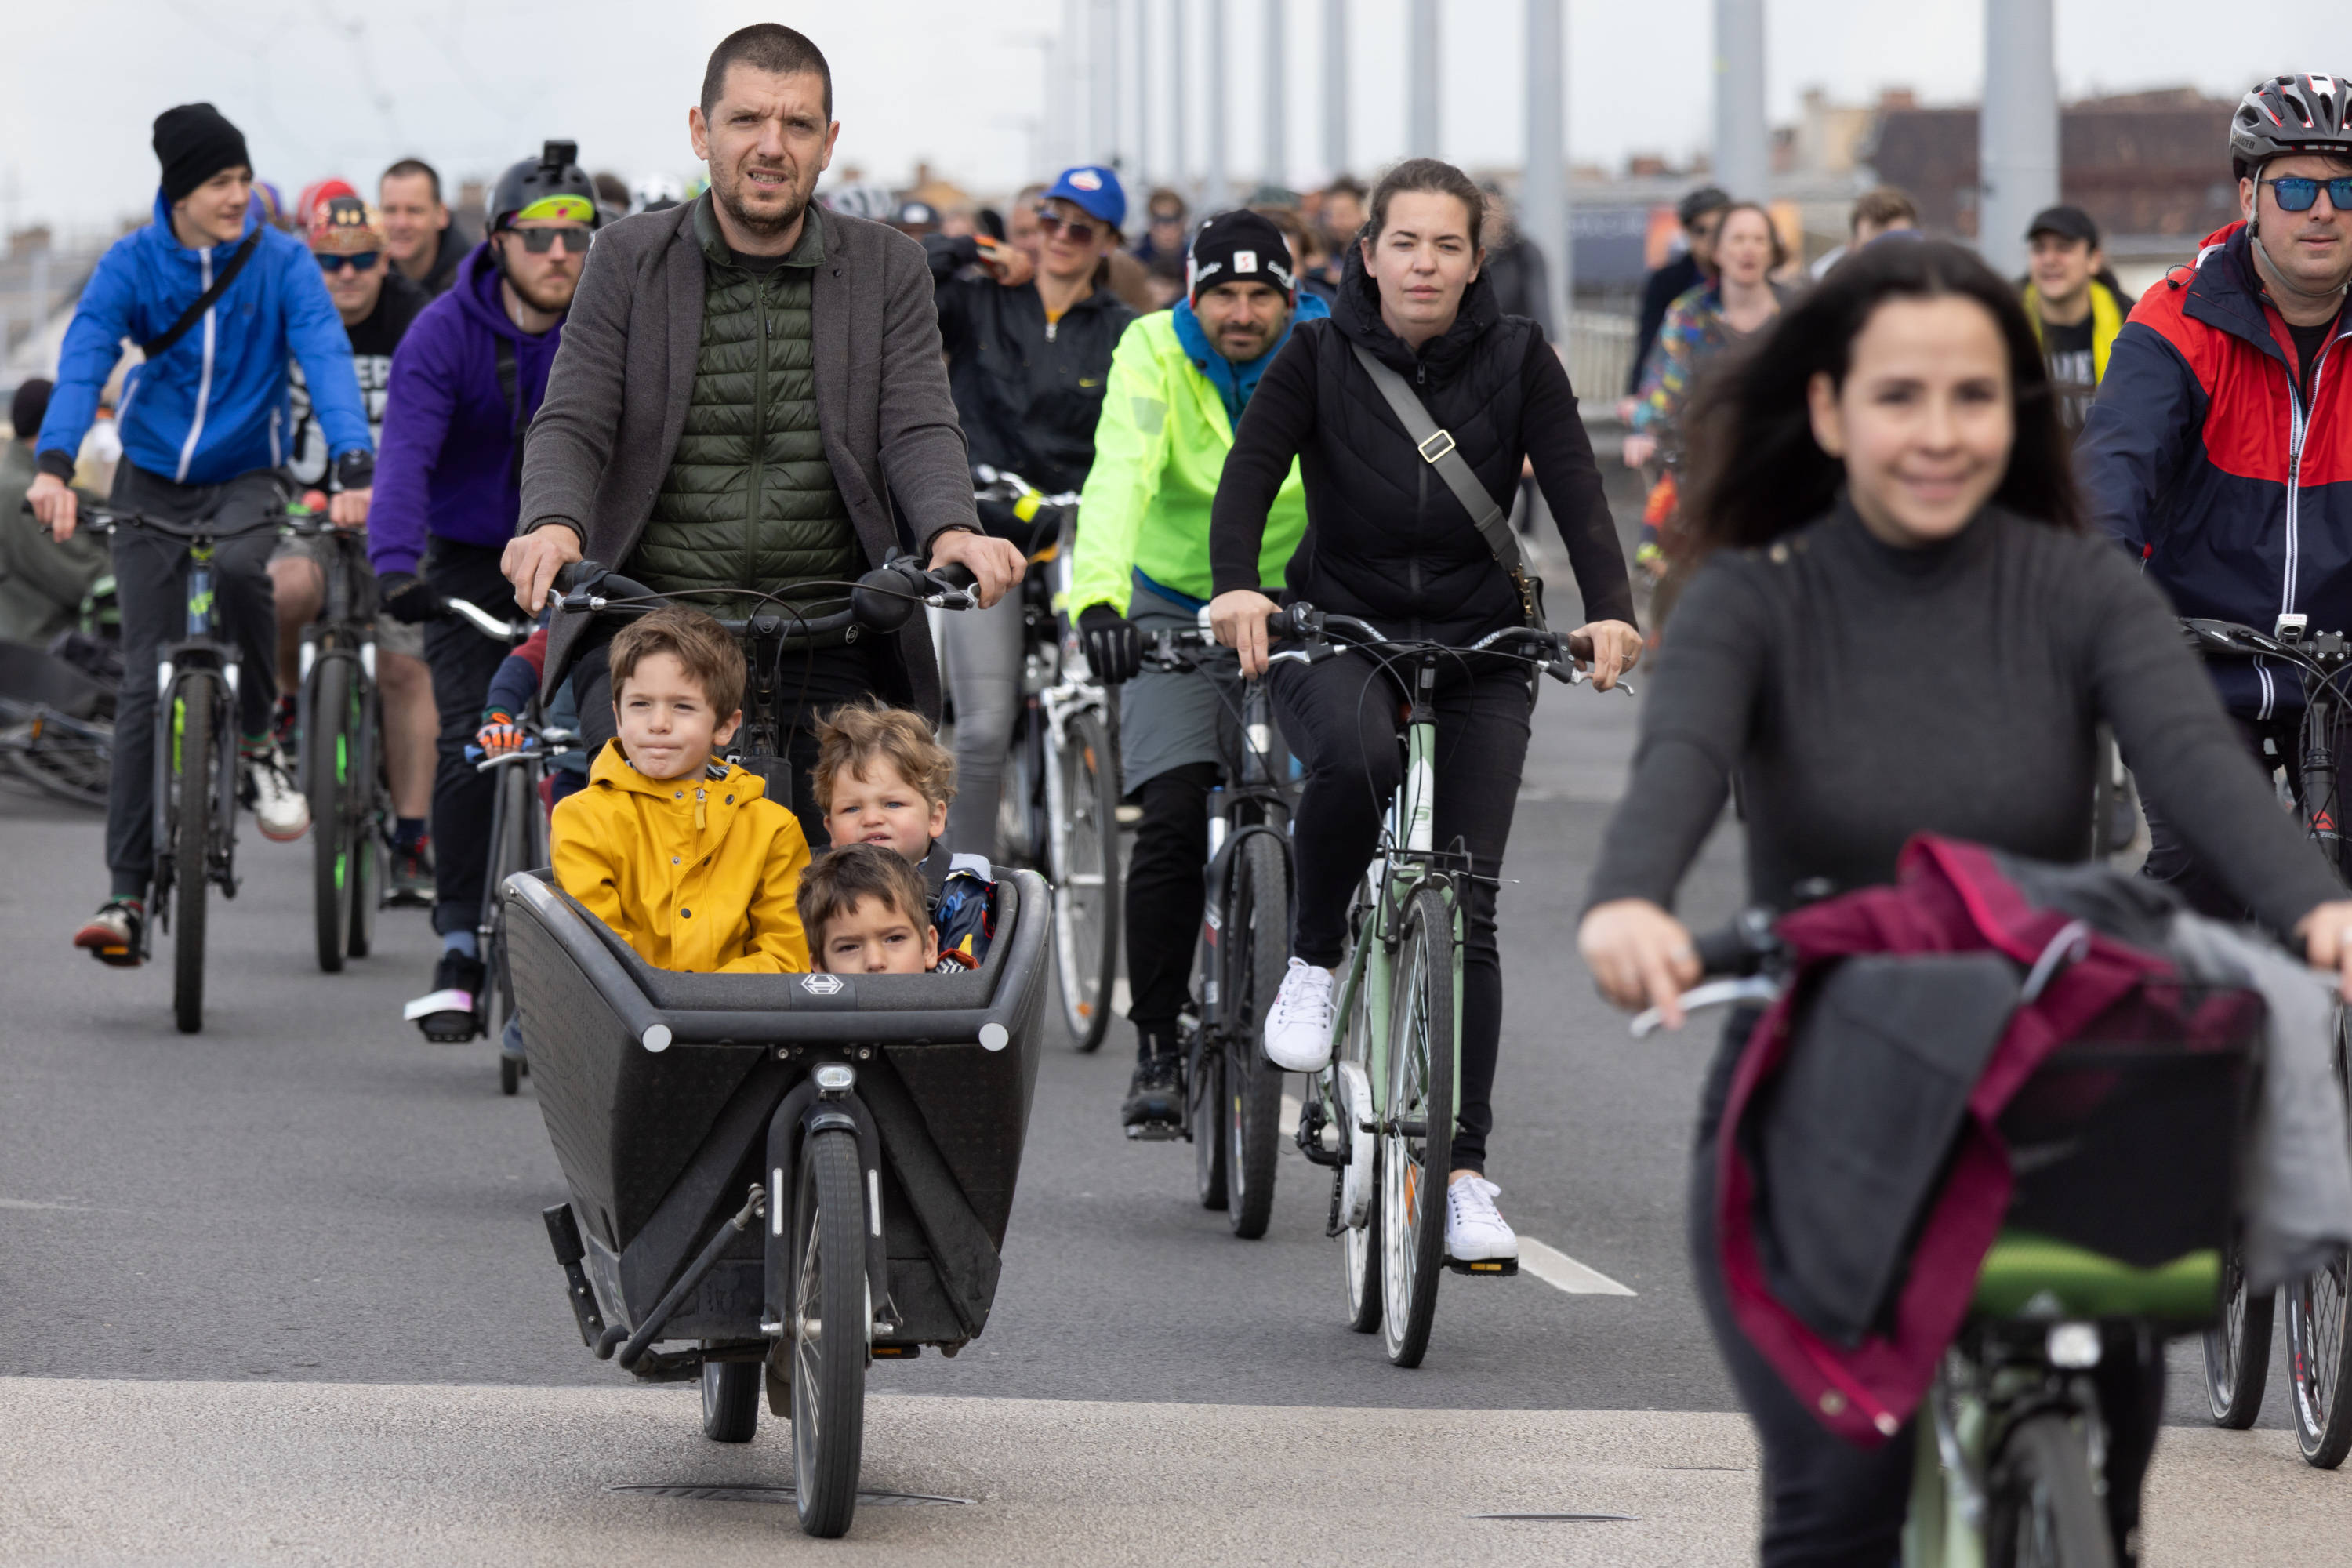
[
  {"x": 1994, "y": 1375},
  {"x": 200, "y": 648},
  {"x": 344, "y": 633}
]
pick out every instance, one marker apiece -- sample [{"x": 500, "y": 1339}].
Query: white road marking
[{"x": 1558, "y": 1270}]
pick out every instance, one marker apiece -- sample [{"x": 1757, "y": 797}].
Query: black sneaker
[
  {"x": 411, "y": 875},
  {"x": 447, "y": 1013},
  {"x": 1155, "y": 1099}
]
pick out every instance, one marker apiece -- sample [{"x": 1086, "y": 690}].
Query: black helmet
[
  {"x": 2291, "y": 114},
  {"x": 550, "y": 186}
]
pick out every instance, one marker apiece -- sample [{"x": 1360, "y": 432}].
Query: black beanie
[
  {"x": 1238, "y": 246},
  {"x": 30, "y": 407},
  {"x": 194, "y": 143}
]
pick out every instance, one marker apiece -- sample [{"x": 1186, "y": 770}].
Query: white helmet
[
  {"x": 654, "y": 192},
  {"x": 863, "y": 201}
]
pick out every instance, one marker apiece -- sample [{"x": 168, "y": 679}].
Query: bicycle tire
[
  {"x": 1021, "y": 814},
  {"x": 2041, "y": 1509},
  {"x": 1082, "y": 845},
  {"x": 195, "y": 777},
  {"x": 1359, "y": 1248},
  {"x": 730, "y": 1400},
  {"x": 1256, "y": 952},
  {"x": 509, "y": 855},
  {"x": 327, "y": 766},
  {"x": 1204, "y": 1093},
  {"x": 2319, "y": 1339},
  {"x": 371, "y": 810},
  {"x": 1421, "y": 1092},
  {"x": 828, "y": 1365},
  {"x": 2238, "y": 1348}
]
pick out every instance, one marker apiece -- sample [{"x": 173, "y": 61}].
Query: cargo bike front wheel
[{"x": 828, "y": 1332}]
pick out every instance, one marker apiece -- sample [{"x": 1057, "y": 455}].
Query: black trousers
[
  {"x": 1165, "y": 896},
  {"x": 2273, "y": 742},
  {"x": 1828, "y": 1503},
  {"x": 812, "y": 683},
  {"x": 463, "y": 661},
  {"x": 151, "y": 578},
  {"x": 1341, "y": 719}
]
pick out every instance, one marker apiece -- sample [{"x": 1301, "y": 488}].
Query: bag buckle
[{"x": 1442, "y": 440}]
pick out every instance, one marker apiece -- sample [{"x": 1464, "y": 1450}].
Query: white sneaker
[
  {"x": 1475, "y": 1232},
  {"x": 1299, "y": 1024},
  {"x": 277, "y": 806}
]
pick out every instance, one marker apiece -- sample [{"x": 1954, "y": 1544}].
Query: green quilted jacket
[{"x": 749, "y": 500}]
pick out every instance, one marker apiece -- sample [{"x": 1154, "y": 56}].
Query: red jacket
[{"x": 2200, "y": 458}]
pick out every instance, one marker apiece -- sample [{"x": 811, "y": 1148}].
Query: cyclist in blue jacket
[{"x": 219, "y": 299}]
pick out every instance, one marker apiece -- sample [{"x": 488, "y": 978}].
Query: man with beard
[
  {"x": 751, "y": 397},
  {"x": 465, "y": 384}
]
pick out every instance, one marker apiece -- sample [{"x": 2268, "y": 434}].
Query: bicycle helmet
[
  {"x": 2289, "y": 114},
  {"x": 549, "y": 186},
  {"x": 655, "y": 192},
  {"x": 863, "y": 201}
]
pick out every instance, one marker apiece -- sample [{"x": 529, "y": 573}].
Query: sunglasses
[
  {"x": 539, "y": 241},
  {"x": 1079, "y": 230},
  {"x": 2296, "y": 193},
  {"x": 364, "y": 262}
]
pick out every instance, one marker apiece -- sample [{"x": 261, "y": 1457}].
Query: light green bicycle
[{"x": 1381, "y": 1115}]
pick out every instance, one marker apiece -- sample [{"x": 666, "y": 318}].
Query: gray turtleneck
[{"x": 1864, "y": 693}]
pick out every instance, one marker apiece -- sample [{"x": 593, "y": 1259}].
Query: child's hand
[{"x": 499, "y": 734}]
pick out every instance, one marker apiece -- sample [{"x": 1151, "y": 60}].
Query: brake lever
[
  {"x": 1567, "y": 674},
  {"x": 1714, "y": 993}
]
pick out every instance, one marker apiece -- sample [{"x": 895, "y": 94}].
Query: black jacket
[
  {"x": 1522, "y": 280},
  {"x": 1386, "y": 539},
  {"x": 1028, "y": 393},
  {"x": 1667, "y": 285}
]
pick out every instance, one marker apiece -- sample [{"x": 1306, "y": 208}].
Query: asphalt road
[{"x": 308, "y": 1195}]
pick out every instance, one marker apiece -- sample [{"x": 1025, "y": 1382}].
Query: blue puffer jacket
[
  {"x": 2200, "y": 459},
  {"x": 216, "y": 405}
]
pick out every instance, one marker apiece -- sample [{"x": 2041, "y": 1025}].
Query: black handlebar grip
[
  {"x": 953, "y": 576},
  {"x": 1280, "y": 624},
  {"x": 575, "y": 574},
  {"x": 888, "y": 597},
  {"x": 1725, "y": 951}
]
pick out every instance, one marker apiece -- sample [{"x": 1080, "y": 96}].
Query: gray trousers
[
  {"x": 983, "y": 651},
  {"x": 151, "y": 582}
]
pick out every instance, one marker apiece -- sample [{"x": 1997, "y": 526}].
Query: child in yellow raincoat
[{"x": 680, "y": 853}]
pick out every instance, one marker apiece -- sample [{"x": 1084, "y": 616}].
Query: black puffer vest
[{"x": 1386, "y": 539}]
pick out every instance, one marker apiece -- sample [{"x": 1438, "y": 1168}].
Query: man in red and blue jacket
[{"x": 2219, "y": 450}]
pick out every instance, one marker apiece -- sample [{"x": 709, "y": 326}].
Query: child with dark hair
[
  {"x": 864, "y": 910},
  {"x": 680, "y": 852}
]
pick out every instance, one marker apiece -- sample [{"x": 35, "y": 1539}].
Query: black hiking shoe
[
  {"x": 1155, "y": 1099},
  {"x": 447, "y": 1013}
]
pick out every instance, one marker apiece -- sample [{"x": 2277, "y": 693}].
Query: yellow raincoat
[{"x": 694, "y": 874}]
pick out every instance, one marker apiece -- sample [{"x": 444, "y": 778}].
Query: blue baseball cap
[{"x": 1094, "y": 191}]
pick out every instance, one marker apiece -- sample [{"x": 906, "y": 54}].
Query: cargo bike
[{"x": 776, "y": 1180}]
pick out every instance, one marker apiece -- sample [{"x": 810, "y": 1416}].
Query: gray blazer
[{"x": 617, "y": 396}]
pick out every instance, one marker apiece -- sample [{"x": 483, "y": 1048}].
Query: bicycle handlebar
[
  {"x": 1742, "y": 961},
  {"x": 195, "y": 531},
  {"x": 489, "y": 624},
  {"x": 883, "y": 600},
  {"x": 1312, "y": 626}
]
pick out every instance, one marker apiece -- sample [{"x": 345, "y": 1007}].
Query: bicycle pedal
[
  {"x": 117, "y": 957},
  {"x": 1156, "y": 1132},
  {"x": 1489, "y": 1268}
]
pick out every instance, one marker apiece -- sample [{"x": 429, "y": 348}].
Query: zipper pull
[{"x": 701, "y": 821}]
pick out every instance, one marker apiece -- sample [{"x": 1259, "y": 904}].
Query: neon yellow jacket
[
  {"x": 2107, "y": 314},
  {"x": 1159, "y": 451}
]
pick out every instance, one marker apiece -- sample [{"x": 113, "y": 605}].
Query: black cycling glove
[
  {"x": 1114, "y": 644},
  {"x": 405, "y": 598}
]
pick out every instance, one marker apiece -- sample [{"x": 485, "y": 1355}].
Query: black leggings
[
  {"x": 1165, "y": 895},
  {"x": 1342, "y": 719},
  {"x": 1827, "y": 1503}
]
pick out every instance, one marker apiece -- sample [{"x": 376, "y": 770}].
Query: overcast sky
[{"x": 332, "y": 87}]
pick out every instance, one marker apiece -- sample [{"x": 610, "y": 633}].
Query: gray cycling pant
[
  {"x": 983, "y": 650},
  {"x": 151, "y": 583}
]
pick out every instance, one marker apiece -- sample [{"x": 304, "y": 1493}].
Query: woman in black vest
[
  {"x": 1898, "y": 626},
  {"x": 1028, "y": 346},
  {"x": 1387, "y": 542}
]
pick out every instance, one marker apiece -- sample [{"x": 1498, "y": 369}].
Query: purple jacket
[{"x": 447, "y": 467}]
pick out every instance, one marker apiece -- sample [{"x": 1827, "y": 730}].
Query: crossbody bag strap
[
  {"x": 510, "y": 389},
  {"x": 1436, "y": 449},
  {"x": 157, "y": 347}
]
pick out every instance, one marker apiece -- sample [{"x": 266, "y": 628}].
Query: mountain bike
[
  {"x": 195, "y": 753},
  {"x": 1232, "y": 1095},
  {"x": 1382, "y": 1112},
  {"x": 519, "y": 824},
  {"x": 341, "y": 765},
  {"x": 57, "y": 730},
  {"x": 2318, "y": 1326},
  {"x": 1059, "y": 808}
]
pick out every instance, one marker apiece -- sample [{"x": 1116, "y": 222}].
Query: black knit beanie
[
  {"x": 194, "y": 143},
  {"x": 1239, "y": 246}
]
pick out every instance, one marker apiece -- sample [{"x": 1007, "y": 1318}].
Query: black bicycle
[
  {"x": 2319, "y": 1328},
  {"x": 1232, "y": 1095},
  {"x": 196, "y": 753},
  {"x": 519, "y": 842}
]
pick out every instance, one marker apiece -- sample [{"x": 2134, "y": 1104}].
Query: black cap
[
  {"x": 1239, "y": 246},
  {"x": 28, "y": 407},
  {"x": 2067, "y": 223},
  {"x": 194, "y": 143}
]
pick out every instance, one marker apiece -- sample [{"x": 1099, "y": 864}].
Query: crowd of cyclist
[{"x": 748, "y": 387}]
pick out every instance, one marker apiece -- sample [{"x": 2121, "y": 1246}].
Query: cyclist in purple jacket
[{"x": 465, "y": 384}]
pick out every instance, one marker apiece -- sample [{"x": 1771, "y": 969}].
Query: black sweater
[
  {"x": 1386, "y": 539},
  {"x": 1865, "y": 693}
]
